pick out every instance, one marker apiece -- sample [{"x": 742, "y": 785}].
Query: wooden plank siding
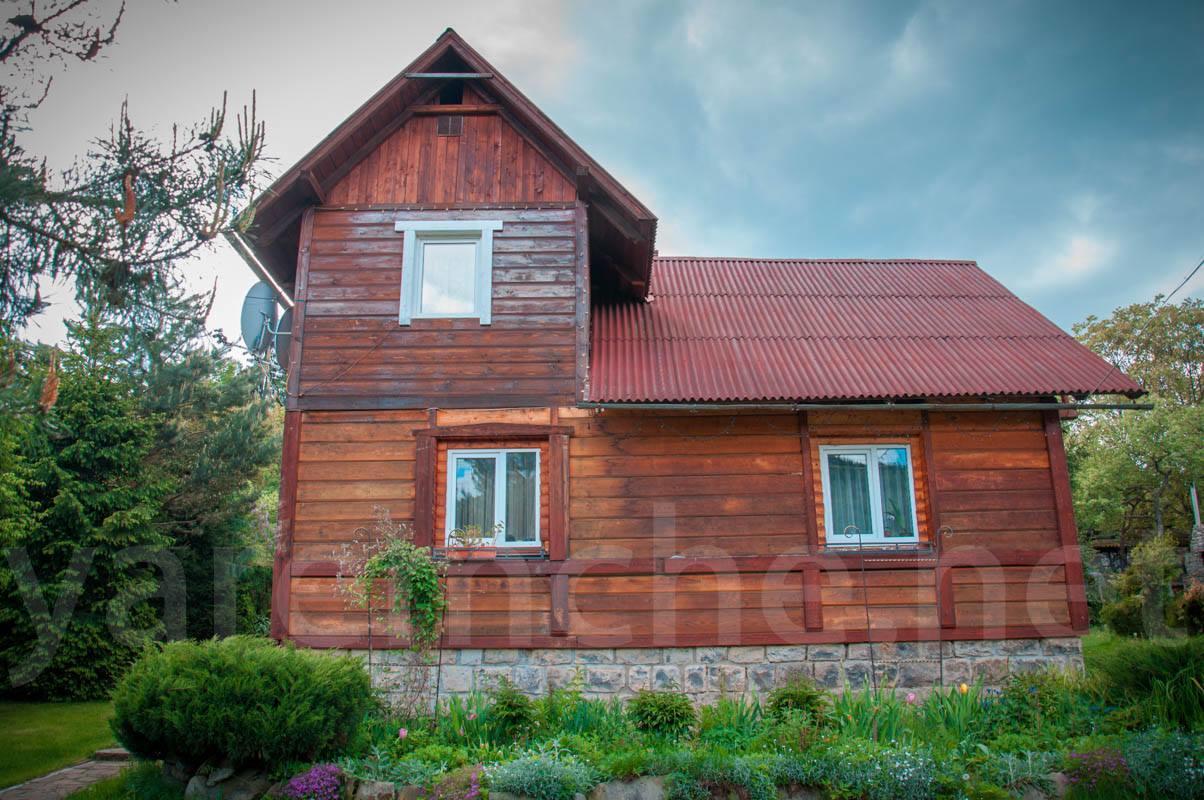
[
  {"x": 489, "y": 162},
  {"x": 693, "y": 529},
  {"x": 357, "y": 355}
]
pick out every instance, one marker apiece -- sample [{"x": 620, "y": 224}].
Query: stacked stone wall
[{"x": 706, "y": 673}]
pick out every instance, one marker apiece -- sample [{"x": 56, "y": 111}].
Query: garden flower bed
[{"x": 1132, "y": 727}]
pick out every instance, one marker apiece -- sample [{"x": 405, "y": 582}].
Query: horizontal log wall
[
  {"x": 355, "y": 354},
  {"x": 693, "y": 530}
]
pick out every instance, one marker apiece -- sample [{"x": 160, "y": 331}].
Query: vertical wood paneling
[{"x": 489, "y": 162}]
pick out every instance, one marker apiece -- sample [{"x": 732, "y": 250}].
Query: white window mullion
[
  {"x": 876, "y": 522},
  {"x": 499, "y": 499}
]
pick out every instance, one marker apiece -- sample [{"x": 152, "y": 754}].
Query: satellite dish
[
  {"x": 284, "y": 334},
  {"x": 258, "y": 317}
]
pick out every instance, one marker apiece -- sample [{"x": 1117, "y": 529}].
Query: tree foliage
[
  {"x": 119, "y": 221},
  {"x": 1160, "y": 345},
  {"x": 1132, "y": 471}
]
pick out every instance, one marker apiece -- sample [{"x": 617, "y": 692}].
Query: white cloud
[{"x": 1082, "y": 256}]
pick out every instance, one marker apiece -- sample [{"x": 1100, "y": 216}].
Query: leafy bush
[
  {"x": 798, "y": 694},
  {"x": 241, "y": 700},
  {"x": 1189, "y": 609},
  {"x": 542, "y": 777},
  {"x": 661, "y": 713},
  {"x": 861, "y": 769},
  {"x": 1125, "y": 617},
  {"x": 1168, "y": 766},
  {"x": 460, "y": 784},
  {"x": 712, "y": 774},
  {"x": 605, "y": 720},
  {"x": 1017, "y": 773},
  {"x": 511, "y": 713},
  {"x": 1037, "y": 711},
  {"x": 634, "y": 762},
  {"x": 380, "y": 765},
  {"x": 790, "y": 730}
]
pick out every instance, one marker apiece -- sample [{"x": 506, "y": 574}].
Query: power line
[{"x": 1183, "y": 283}]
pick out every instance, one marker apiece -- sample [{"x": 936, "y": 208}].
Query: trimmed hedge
[{"x": 242, "y": 700}]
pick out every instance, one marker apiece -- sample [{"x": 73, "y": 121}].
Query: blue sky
[{"x": 1060, "y": 144}]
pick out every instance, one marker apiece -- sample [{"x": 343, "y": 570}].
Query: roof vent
[{"x": 448, "y": 125}]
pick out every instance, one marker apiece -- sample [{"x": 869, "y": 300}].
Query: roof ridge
[{"x": 844, "y": 337}]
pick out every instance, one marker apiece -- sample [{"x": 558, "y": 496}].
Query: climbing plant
[{"x": 389, "y": 559}]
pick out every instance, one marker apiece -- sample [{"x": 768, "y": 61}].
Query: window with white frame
[
  {"x": 494, "y": 495},
  {"x": 869, "y": 493},
  {"x": 447, "y": 269}
]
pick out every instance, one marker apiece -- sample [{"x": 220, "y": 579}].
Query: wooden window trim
[
  {"x": 555, "y": 540},
  {"x": 479, "y": 232}
]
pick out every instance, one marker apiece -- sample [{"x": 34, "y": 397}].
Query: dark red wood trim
[
  {"x": 813, "y": 606},
  {"x": 463, "y": 109},
  {"x": 1076, "y": 589},
  {"x": 495, "y": 430},
  {"x": 282, "y": 562},
  {"x": 582, "y": 322},
  {"x": 558, "y": 496},
  {"x": 360, "y": 642},
  {"x": 810, "y": 513},
  {"x": 826, "y": 562},
  {"x": 934, "y": 508},
  {"x": 425, "y": 467},
  {"x": 300, "y": 290},
  {"x": 946, "y": 610},
  {"x": 560, "y": 605}
]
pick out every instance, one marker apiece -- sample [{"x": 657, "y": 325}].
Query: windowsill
[
  {"x": 903, "y": 548},
  {"x": 507, "y": 554}
]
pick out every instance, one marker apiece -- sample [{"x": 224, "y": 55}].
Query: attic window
[
  {"x": 452, "y": 93},
  {"x": 447, "y": 125}
]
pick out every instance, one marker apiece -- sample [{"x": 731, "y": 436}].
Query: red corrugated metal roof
[{"x": 733, "y": 330}]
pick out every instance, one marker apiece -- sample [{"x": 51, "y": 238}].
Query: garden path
[{"x": 61, "y": 783}]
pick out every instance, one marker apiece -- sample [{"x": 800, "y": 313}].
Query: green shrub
[
  {"x": 633, "y": 762},
  {"x": 460, "y": 784},
  {"x": 798, "y": 694},
  {"x": 239, "y": 700},
  {"x": 1100, "y": 774},
  {"x": 1164, "y": 678},
  {"x": 445, "y": 754},
  {"x": 542, "y": 776},
  {"x": 790, "y": 730},
  {"x": 1168, "y": 766},
  {"x": 605, "y": 720},
  {"x": 464, "y": 720},
  {"x": 381, "y": 765},
  {"x": 661, "y": 713},
  {"x": 1189, "y": 609},
  {"x": 1124, "y": 617},
  {"x": 511, "y": 713},
  {"x": 875, "y": 714},
  {"x": 730, "y": 721},
  {"x": 713, "y": 774}
]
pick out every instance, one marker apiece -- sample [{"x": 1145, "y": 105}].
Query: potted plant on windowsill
[{"x": 470, "y": 543}]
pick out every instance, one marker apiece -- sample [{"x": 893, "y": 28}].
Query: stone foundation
[{"x": 705, "y": 673}]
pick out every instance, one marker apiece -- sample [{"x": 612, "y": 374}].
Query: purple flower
[
  {"x": 472, "y": 715},
  {"x": 402, "y": 733},
  {"x": 322, "y": 782}
]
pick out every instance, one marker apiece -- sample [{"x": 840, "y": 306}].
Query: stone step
[{"x": 111, "y": 754}]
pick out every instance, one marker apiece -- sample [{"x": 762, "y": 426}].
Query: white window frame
[
  {"x": 417, "y": 233},
  {"x": 499, "y": 492},
  {"x": 870, "y": 451}
]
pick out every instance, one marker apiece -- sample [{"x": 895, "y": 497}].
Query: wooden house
[{"x": 708, "y": 473}]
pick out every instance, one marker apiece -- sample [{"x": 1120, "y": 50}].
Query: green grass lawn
[{"x": 36, "y": 738}]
